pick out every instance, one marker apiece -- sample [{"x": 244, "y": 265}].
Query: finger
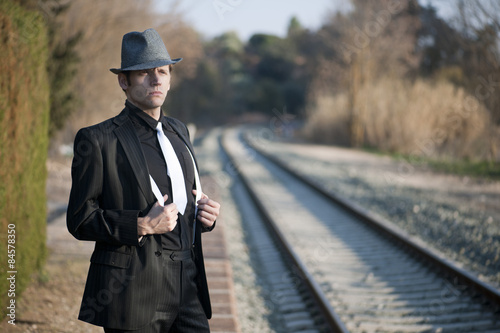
[
  {"x": 173, "y": 220},
  {"x": 209, "y": 203},
  {"x": 171, "y": 226},
  {"x": 195, "y": 192},
  {"x": 174, "y": 212},
  {"x": 206, "y": 215},
  {"x": 214, "y": 203},
  {"x": 204, "y": 201},
  {"x": 170, "y": 207},
  {"x": 171, "y": 216},
  {"x": 203, "y": 195},
  {"x": 206, "y": 208},
  {"x": 209, "y": 213},
  {"x": 169, "y": 219},
  {"x": 206, "y": 221},
  {"x": 165, "y": 197}
]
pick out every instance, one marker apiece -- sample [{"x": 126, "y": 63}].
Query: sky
[{"x": 247, "y": 17}]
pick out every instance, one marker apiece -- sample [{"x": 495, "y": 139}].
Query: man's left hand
[{"x": 208, "y": 210}]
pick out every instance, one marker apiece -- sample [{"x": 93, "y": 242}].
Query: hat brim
[{"x": 148, "y": 65}]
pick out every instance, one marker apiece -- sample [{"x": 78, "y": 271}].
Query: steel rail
[
  {"x": 390, "y": 230},
  {"x": 332, "y": 319}
]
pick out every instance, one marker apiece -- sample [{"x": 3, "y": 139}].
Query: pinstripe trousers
[{"x": 179, "y": 309}]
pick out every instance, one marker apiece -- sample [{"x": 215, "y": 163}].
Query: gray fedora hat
[{"x": 143, "y": 50}]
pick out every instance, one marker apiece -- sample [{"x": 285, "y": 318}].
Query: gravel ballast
[{"x": 456, "y": 215}]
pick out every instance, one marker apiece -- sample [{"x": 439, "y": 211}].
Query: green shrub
[{"x": 24, "y": 115}]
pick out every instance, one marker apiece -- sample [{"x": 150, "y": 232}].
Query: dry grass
[
  {"x": 425, "y": 119},
  {"x": 328, "y": 121}
]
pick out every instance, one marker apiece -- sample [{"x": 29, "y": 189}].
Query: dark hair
[{"x": 127, "y": 75}]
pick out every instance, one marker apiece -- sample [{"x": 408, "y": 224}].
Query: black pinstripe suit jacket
[{"x": 110, "y": 188}]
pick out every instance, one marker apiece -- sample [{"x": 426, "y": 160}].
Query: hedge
[{"x": 24, "y": 116}]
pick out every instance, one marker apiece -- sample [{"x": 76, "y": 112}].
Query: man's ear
[{"x": 122, "y": 81}]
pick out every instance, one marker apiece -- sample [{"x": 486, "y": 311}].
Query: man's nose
[{"x": 155, "y": 78}]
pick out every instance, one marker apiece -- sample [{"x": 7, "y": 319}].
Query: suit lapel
[
  {"x": 197, "y": 226},
  {"x": 184, "y": 138},
  {"x": 125, "y": 133}
]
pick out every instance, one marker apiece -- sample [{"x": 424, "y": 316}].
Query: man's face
[{"x": 147, "y": 88}]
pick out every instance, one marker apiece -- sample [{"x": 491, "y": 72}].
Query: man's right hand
[{"x": 160, "y": 219}]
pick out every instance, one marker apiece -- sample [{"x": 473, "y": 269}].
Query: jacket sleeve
[
  {"x": 85, "y": 219},
  {"x": 208, "y": 229}
]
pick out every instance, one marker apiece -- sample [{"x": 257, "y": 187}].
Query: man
[{"x": 136, "y": 193}]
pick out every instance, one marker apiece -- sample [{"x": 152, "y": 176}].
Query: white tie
[{"x": 174, "y": 170}]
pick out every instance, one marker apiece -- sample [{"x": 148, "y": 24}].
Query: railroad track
[{"x": 365, "y": 275}]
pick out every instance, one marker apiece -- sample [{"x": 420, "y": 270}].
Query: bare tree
[
  {"x": 103, "y": 23},
  {"x": 479, "y": 24},
  {"x": 376, "y": 39}
]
